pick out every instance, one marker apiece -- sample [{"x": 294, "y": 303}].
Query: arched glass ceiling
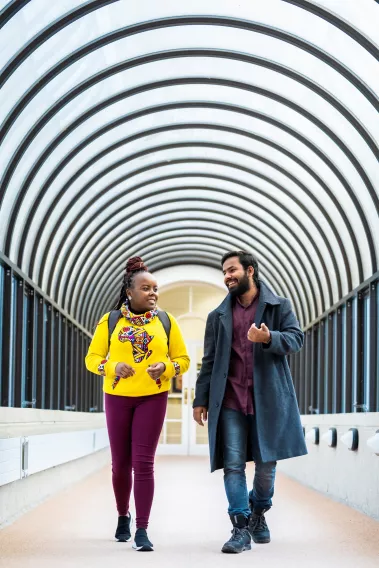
[{"x": 181, "y": 130}]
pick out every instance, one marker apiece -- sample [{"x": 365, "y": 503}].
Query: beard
[{"x": 242, "y": 287}]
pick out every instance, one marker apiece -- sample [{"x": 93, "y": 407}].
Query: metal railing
[
  {"x": 42, "y": 350},
  {"x": 338, "y": 369}
]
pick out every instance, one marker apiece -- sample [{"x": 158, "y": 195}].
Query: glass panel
[
  {"x": 76, "y": 373},
  {"x": 19, "y": 346},
  {"x": 174, "y": 433},
  {"x": 63, "y": 367},
  {"x": 30, "y": 384},
  {"x": 329, "y": 365},
  {"x": 313, "y": 378},
  {"x": 377, "y": 348},
  {"x": 323, "y": 355},
  {"x": 335, "y": 378},
  {"x": 366, "y": 351},
  {"x": 49, "y": 378},
  {"x": 25, "y": 340},
  {"x": 2, "y": 302},
  {"x": 202, "y": 434},
  {"x": 199, "y": 357},
  {"x": 349, "y": 354},
  {"x": 344, "y": 359},
  {"x": 57, "y": 364},
  {"x": 12, "y": 342},
  {"x": 162, "y": 437},
  {"x": 174, "y": 407},
  {"x": 88, "y": 377},
  {"x": 201, "y": 431},
  {"x": 41, "y": 352},
  {"x": 69, "y": 373},
  {"x": 355, "y": 361}
]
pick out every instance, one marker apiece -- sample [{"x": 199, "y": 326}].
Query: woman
[{"x": 137, "y": 363}]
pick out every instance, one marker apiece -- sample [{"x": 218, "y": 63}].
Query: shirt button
[{"x": 217, "y": 405}]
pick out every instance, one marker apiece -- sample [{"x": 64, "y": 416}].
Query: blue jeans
[{"x": 234, "y": 429}]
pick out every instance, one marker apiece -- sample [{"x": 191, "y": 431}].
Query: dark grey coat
[{"x": 278, "y": 433}]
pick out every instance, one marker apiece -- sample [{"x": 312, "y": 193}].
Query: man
[{"x": 245, "y": 390}]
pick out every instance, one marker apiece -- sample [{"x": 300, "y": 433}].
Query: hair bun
[{"x": 134, "y": 264}]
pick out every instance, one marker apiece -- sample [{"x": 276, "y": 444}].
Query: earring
[{"x": 129, "y": 297}]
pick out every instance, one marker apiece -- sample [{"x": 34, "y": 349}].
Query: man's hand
[
  {"x": 124, "y": 371},
  {"x": 259, "y": 335},
  {"x": 200, "y": 413},
  {"x": 155, "y": 371}
]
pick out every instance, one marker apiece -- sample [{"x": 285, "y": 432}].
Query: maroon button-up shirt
[{"x": 239, "y": 386}]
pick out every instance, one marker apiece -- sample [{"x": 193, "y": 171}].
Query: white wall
[
  {"x": 42, "y": 451},
  {"x": 348, "y": 476},
  {"x": 191, "y": 304},
  {"x": 189, "y": 274}
]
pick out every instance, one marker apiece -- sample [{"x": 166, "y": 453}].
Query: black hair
[
  {"x": 134, "y": 266},
  {"x": 246, "y": 259}
]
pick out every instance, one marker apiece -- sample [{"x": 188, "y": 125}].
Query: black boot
[
  {"x": 123, "y": 533},
  {"x": 258, "y": 527},
  {"x": 240, "y": 539}
]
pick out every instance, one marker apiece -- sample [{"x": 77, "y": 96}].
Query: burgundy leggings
[{"x": 134, "y": 426}]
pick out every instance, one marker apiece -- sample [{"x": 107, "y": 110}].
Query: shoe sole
[
  {"x": 123, "y": 539},
  {"x": 266, "y": 541},
  {"x": 144, "y": 548},
  {"x": 234, "y": 551}
]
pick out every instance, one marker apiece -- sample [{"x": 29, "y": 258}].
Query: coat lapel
[
  {"x": 260, "y": 311},
  {"x": 266, "y": 296},
  {"x": 226, "y": 318}
]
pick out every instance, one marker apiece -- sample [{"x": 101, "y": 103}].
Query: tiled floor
[{"x": 188, "y": 527}]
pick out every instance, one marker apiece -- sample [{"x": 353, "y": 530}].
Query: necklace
[{"x": 140, "y": 319}]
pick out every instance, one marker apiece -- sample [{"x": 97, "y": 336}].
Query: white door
[
  {"x": 197, "y": 435},
  {"x": 180, "y": 434}
]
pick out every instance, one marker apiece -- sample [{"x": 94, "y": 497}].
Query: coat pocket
[{"x": 288, "y": 380}]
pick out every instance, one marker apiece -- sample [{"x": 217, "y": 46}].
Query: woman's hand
[
  {"x": 155, "y": 371},
  {"x": 124, "y": 371}
]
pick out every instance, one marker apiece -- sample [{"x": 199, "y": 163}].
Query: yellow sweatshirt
[{"x": 138, "y": 346}]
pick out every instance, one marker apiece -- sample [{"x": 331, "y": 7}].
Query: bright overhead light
[
  {"x": 373, "y": 443},
  {"x": 313, "y": 435},
  {"x": 351, "y": 439},
  {"x": 330, "y": 437}
]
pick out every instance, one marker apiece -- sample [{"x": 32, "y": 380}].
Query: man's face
[{"x": 237, "y": 280}]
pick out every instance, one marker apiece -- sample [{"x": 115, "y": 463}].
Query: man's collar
[
  {"x": 266, "y": 296},
  {"x": 255, "y": 298}
]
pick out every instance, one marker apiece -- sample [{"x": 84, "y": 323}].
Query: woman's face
[{"x": 144, "y": 294}]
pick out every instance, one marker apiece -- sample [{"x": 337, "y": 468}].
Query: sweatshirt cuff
[
  {"x": 172, "y": 370},
  {"x": 107, "y": 368}
]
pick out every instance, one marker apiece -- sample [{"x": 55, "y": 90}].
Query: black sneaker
[
  {"x": 141, "y": 541},
  {"x": 123, "y": 533},
  {"x": 241, "y": 538},
  {"x": 258, "y": 527}
]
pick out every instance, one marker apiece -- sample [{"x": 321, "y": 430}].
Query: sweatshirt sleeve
[
  {"x": 179, "y": 359},
  {"x": 96, "y": 359}
]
